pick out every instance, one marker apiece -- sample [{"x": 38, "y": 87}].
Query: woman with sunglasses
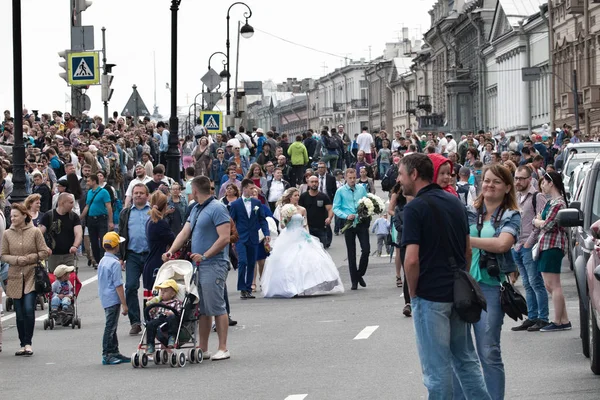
[{"x": 552, "y": 243}]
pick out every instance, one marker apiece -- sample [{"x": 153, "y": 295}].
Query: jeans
[
  {"x": 25, "y": 311},
  {"x": 383, "y": 168},
  {"x": 362, "y": 232},
  {"x": 227, "y": 301},
  {"x": 97, "y": 227},
  {"x": 338, "y": 224},
  {"x": 246, "y": 264},
  {"x": 331, "y": 160},
  {"x": 487, "y": 340},
  {"x": 381, "y": 242},
  {"x": 320, "y": 234},
  {"x": 154, "y": 325},
  {"x": 134, "y": 267},
  {"x": 57, "y": 302},
  {"x": 110, "y": 343},
  {"x": 535, "y": 291},
  {"x": 445, "y": 344}
]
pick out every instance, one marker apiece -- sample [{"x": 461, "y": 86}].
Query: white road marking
[
  {"x": 296, "y": 397},
  {"x": 365, "y": 333},
  {"x": 43, "y": 317},
  {"x": 332, "y": 320}
]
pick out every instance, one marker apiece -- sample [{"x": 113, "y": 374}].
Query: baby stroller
[
  {"x": 187, "y": 333},
  {"x": 69, "y": 316}
]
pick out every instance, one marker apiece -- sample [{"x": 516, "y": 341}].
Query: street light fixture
[
  {"x": 172, "y": 155},
  {"x": 246, "y": 31}
]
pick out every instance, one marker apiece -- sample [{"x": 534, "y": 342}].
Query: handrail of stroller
[{"x": 154, "y": 305}]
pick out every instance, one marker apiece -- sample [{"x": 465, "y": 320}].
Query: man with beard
[{"x": 319, "y": 211}]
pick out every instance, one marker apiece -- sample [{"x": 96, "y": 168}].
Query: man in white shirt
[
  {"x": 140, "y": 177},
  {"x": 364, "y": 142},
  {"x": 275, "y": 188},
  {"x": 442, "y": 144},
  {"x": 451, "y": 147}
]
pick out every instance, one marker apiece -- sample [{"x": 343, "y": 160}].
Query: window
[{"x": 364, "y": 89}]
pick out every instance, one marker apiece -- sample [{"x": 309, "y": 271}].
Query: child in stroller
[
  {"x": 62, "y": 295},
  {"x": 163, "y": 315}
]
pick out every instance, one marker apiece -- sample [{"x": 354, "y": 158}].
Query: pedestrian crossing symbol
[
  {"x": 212, "y": 121},
  {"x": 84, "y": 68}
]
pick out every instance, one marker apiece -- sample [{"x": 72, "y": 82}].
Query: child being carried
[{"x": 161, "y": 316}]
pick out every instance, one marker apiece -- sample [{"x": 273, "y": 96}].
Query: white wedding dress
[{"x": 299, "y": 266}]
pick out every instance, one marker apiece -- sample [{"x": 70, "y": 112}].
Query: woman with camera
[
  {"x": 552, "y": 243},
  {"x": 495, "y": 223}
]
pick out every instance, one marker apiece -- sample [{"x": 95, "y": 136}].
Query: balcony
[
  {"x": 424, "y": 103},
  {"x": 574, "y": 6},
  {"x": 339, "y": 107},
  {"x": 431, "y": 122},
  {"x": 591, "y": 97},
  {"x": 567, "y": 102},
  {"x": 360, "y": 104},
  {"x": 327, "y": 111},
  {"x": 411, "y": 107}
]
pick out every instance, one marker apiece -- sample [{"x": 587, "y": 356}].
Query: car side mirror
[
  {"x": 569, "y": 217},
  {"x": 575, "y": 204}
]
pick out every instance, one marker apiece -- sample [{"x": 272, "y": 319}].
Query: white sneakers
[{"x": 221, "y": 355}]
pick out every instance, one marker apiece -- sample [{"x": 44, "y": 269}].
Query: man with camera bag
[{"x": 443, "y": 338}]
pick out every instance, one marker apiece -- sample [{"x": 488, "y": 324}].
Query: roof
[
  {"x": 402, "y": 64},
  {"x": 517, "y": 10}
]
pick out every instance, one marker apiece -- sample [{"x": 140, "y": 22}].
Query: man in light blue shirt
[
  {"x": 381, "y": 228},
  {"x": 164, "y": 141},
  {"x": 345, "y": 204},
  {"x": 132, "y": 226}
]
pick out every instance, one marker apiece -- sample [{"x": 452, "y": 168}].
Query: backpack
[
  {"x": 60, "y": 171},
  {"x": 389, "y": 179},
  {"x": 51, "y": 230},
  {"x": 463, "y": 192}
]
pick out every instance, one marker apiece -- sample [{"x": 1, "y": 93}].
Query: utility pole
[
  {"x": 76, "y": 92},
  {"x": 576, "y": 99},
  {"x": 104, "y": 72},
  {"x": 19, "y": 194}
]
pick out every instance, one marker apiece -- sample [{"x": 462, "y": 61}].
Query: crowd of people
[{"x": 249, "y": 200}]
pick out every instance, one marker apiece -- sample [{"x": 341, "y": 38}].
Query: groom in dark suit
[{"x": 249, "y": 217}]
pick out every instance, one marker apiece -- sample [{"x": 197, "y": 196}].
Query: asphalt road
[{"x": 304, "y": 348}]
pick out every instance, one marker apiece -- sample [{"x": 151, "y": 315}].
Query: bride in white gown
[{"x": 298, "y": 264}]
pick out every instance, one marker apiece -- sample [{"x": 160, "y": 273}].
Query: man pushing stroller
[{"x": 161, "y": 315}]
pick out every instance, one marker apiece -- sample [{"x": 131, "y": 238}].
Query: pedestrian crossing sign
[
  {"x": 83, "y": 68},
  {"x": 212, "y": 121}
]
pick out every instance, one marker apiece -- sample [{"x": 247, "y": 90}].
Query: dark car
[{"x": 582, "y": 215}]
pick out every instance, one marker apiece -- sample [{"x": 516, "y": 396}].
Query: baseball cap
[
  {"x": 112, "y": 239},
  {"x": 63, "y": 269},
  {"x": 169, "y": 283}
]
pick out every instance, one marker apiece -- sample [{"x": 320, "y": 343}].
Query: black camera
[{"x": 489, "y": 262}]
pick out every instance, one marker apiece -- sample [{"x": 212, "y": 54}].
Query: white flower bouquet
[
  {"x": 367, "y": 207},
  {"x": 287, "y": 212}
]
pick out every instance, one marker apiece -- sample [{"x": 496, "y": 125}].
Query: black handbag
[
  {"x": 512, "y": 302},
  {"x": 469, "y": 300},
  {"x": 41, "y": 278}
]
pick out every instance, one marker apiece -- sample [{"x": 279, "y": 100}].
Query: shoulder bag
[
  {"x": 186, "y": 249},
  {"x": 469, "y": 300},
  {"x": 41, "y": 278}
]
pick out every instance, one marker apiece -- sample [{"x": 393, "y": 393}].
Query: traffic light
[
  {"x": 84, "y": 4},
  {"x": 63, "y": 64},
  {"x": 106, "y": 81}
]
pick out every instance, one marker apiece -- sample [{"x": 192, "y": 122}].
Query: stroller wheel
[
  {"x": 78, "y": 323},
  {"x": 173, "y": 360},
  {"x": 51, "y": 324},
  {"x": 157, "y": 358},
  {"x": 164, "y": 356},
  {"x": 199, "y": 356},
  {"x": 46, "y": 324},
  {"x": 181, "y": 360},
  {"x": 144, "y": 360},
  {"x": 135, "y": 360},
  {"x": 192, "y": 356}
]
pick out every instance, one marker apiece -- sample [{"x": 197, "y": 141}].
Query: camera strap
[{"x": 496, "y": 221}]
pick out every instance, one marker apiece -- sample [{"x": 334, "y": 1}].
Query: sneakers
[
  {"x": 135, "y": 329},
  {"x": 538, "y": 325},
  {"x": 115, "y": 359},
  {"x": 528, "y": 323},
  {"x": 171, "y": 342},
  {"x": 123, "y": 358},
  {"x": 232, "y": 322},
  {"x": 221, "y": 355},
  {"x": 407, "y": 310},
  {"x": 552, "y": 327},
  {"x": 150, "y": 349}
]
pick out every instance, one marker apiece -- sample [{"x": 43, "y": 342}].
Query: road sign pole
[
  {"x": 75, "y": 90},
  {"x": 576, "y": 99},
  {"x": 104, "y": 72}
]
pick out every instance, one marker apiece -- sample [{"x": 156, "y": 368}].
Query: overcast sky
[{"x": 137, "y": 28}]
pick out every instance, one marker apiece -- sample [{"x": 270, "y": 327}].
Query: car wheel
[
  {"x": 584, "y": 329},
  {"x": 594, "y": 340}
]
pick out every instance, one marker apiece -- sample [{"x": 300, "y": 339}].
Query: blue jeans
[
  {"x": 383, "y": 168},
  {"x": 97, "y": 228},
  {"x": 444, "y": 343},
  {"x": 25, "y": 311},
  {"x": 246, "y": 264},
  {"x": 57, "y": 302},
  {"x": 535, "y": 291},
  {"x": 487, "y": 340},
  {"x": 134, "y": 267},
  {"x": 110, "y": 343}
]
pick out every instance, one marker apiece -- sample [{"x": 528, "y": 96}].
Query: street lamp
[
  {"x": 172, "y": 155},
  {"x": 19, "y": 194},
  {"x": 246, "y": 31}
]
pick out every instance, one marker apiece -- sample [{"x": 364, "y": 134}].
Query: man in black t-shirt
[
  {"x": 158, "y": 174},
  {"x": 63, "y": 232},
  {"x": 319, "y": 211}
]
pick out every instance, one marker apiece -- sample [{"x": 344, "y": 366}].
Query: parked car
[
  {"x": 574, "y": 161},
  {"x": 593, "y": 281},
  {"x": 581, "y": 215},
  {"x": 576, "y": 188},
  {"x": 586, "y": 147}
]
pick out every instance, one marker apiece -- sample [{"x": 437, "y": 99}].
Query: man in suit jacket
[
  {"x": 249, "y": 217},
  {"x": 328, "y": 186}
]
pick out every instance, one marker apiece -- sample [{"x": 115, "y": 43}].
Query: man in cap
[{"x": 140, "y": 177}]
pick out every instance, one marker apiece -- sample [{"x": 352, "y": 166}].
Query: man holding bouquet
[{"x": 345, "y": 206}]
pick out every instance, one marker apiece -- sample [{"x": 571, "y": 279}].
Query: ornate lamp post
[{"x": 173, "y": 151}]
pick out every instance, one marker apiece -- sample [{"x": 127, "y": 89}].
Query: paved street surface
[{"x": 357, "y": 345}]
